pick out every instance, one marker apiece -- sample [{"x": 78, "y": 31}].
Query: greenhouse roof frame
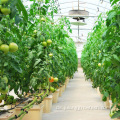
[
  {"x": 93, "y": 16},
  {"x": 94, "y": 7}
]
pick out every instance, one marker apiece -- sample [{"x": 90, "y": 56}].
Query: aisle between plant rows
[{"x": 79, "y": 101}]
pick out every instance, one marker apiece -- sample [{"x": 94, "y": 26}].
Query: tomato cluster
[{"x": 13, "y": 47}]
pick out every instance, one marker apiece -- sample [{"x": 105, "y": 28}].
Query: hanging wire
[{"x": 86, "y": 2}]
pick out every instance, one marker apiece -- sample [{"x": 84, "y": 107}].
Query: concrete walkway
[{"x": 79, "y": 102}]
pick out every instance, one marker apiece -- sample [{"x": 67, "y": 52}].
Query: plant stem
[{"x": 28, "y": 106}]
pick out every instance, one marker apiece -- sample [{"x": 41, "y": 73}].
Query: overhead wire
[{"x": 82, "y": 1}]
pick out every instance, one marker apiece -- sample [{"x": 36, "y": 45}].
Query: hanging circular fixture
[
  {"x": 79, "y": 13},
  {"x": 78, "y": 23},
  {"x": 79, "y": 16}
]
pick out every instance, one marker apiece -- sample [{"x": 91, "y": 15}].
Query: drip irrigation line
[
  {"x": 4, "y": 111},
  {"x": 32, "y": 105},
  {"x": 22, "y": 100},
  {"x": 23, "y": 111}
]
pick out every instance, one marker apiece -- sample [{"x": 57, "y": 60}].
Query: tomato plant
[
  {"x": 32, "y": 49},
  {"x": 101, "y": 56}
]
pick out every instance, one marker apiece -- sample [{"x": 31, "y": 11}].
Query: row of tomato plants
[
  {"x": 36, "y": 51},
  {"x": 101, "y": 57}
]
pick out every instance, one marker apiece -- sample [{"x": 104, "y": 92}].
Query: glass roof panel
[{"x": 94, "y": 7}]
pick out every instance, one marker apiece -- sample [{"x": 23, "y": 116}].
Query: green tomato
[
  {"x": 55, "y": 79},
  {"x": 43, "y": 19},
  {"x": 50, "y": 55},
  {"x": 44, "y": 44},
  {"x": 5, "y": 79},
  {"x": 111, "y": 114},
  {"x": 5, "y": 11},
  {"x": 27, "y": 66},
  {"x": 24, "y": 33},
  {"x": 4, "y": 48},
  {"x": 35, "y": 31},
  {"x": 4, "y": 1},
  {"x": 52, "y": 89},
  {"x": 99, "y": 64},
  {"x": 34, "y": 35},
  {"x": 13, "y": 47},
  {"x": 49, "y": 41},
  {"x": 114, "y": 100}
]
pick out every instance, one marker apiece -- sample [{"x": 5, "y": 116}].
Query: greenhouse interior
[{"x": 60, "y": 60}]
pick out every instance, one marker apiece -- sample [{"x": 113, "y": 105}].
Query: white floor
[{"x": 79, "y": 102}]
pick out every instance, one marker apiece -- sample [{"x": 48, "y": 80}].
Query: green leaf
[
  {"x": 37, "y": 62},
  {"x": 31, "y": 11},
  {"x": 17, "y": 19},
  {"x": 111, "y": 15},
  {"x": 114, "y": 2},
  {"x": 117, "y": 89},
  {"x": 118, "y": 19},
  {"x": 116, "y": 57},
  {"x": 104, "y": 98},
  {"x": 30, "y": 28},
  {"x": 16, "y": 30},
  {"x": 47, "y": 1},
  {"x": 116, "y": 115},
  {"x": 16, "y": 87},
  {"x": 111, "y": 1},
  {"x": 6, "y": 64},
  {"x": 52, "y": 14},
  {"x": 16, "y": 67},
  {"x": 107, "y": 22},
  {"x": 13, "y": 8},
  {"x": 41, "y": 71},
  {"x": 106, "y": 94},
  {"x": 21, "y": 7}
]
